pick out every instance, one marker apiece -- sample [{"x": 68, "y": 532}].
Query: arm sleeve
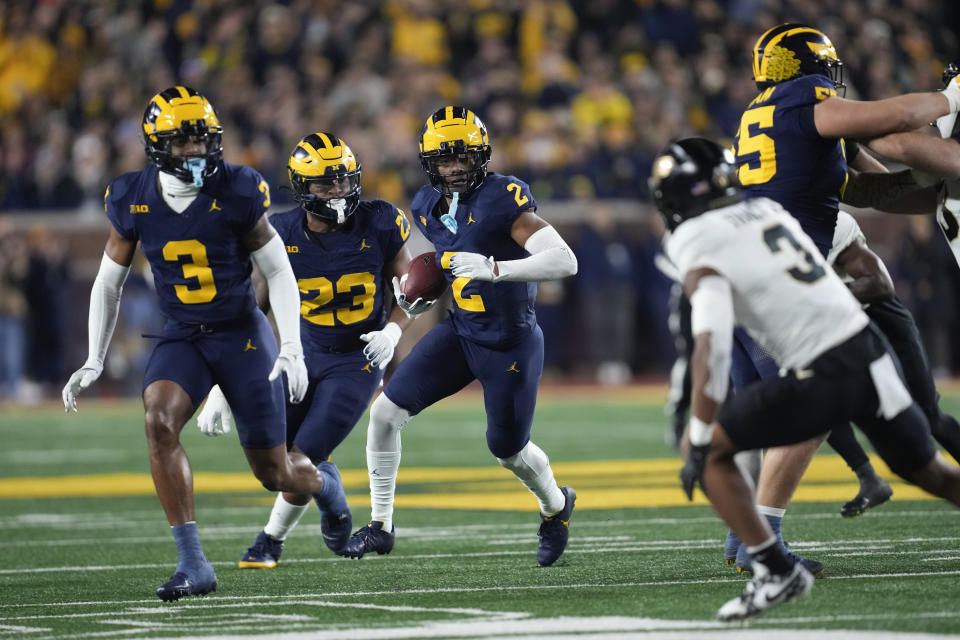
[
  {"x": 551, "y": 259},
  {"x": 104, "y": 307},
  {"x": 272, "y": 261}
]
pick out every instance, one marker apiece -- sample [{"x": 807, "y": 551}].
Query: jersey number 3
[
  {"x": 807, "y": 271},
  {"x": 197, "y": 268}
]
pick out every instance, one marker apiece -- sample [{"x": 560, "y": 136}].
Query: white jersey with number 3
[{"x": 784, "y": 293}]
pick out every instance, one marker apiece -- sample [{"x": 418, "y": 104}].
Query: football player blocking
[
  {"x": 200, "y": 222},
  {"x": 492, "y": 248},
  {"x": 790, "y": 148},
  {"x": 750, "y": 263},
  {"x": 342, "y": 250}
]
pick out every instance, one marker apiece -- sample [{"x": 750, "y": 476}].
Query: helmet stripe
[{"x": 326, "y": 141}]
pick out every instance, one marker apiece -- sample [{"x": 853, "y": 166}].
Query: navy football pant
[
  {"x": 239, "y": 359},
  {"x": 341, "y": 386},
  {"x": 442, "y": 363}
]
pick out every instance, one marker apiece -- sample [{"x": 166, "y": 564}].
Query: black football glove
[{"x": 692, "y": 471}]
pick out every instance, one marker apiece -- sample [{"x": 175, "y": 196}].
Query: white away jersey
[
  {"x": 784, "y": 293},
  {"x": 948, "y": 215},
  {"x": 845, "y": 234}
]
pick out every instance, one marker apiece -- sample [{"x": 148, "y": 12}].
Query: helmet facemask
[
  {"x": 325, "y": 176},
  {"x": 463, "y": 181},
  {"x": 338, "y": 198}
]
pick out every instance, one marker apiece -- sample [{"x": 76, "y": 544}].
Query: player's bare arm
[
  {"x": 837, "y": 117},
  {"x": 920, "y": 151},
  {"x": 396, "y": 269},
  {"x": 260, "y": 235},
  {"x": 119, "y": 249},
  {"x": 871, "y": 280}
]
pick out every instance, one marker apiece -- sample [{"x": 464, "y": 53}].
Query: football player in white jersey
[{"x": 749, "y": 263}]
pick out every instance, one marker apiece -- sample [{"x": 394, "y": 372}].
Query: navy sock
[
  {"x": 190, "y": 558},
  {"x": 331, "y": 498},
  {"x": 775, "y": 524},
  {"x": 773, "y": 557}
]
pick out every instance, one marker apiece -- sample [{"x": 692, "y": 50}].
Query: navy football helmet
[
  {"x": 791, "y": 50},
  {"x": 691, "y": 176}
]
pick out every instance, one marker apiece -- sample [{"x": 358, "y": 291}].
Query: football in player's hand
[{"x": 424, "y": 279}]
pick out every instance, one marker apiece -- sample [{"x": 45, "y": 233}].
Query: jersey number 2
[{"x": 808, "y": 271}]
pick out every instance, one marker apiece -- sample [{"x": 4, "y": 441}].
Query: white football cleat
[{"x": 765, "y": 591}]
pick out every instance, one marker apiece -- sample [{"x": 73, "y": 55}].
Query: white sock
[
  {"x": 382, "y": 466},
  {"x": 383, "y": 457},
  {"x": 283, "y": 518},
  {"x": 532, "y": 467},
  {"x": 771, "y": 511}
]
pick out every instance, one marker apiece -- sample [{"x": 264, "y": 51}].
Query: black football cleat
[
  {"x": 181, "y": 585},
  {"x": 871, "y": 494},
  {"x": 264, "y": 553},
  {"x": 369, "y": 538},
  {"x": 555, "y": 530},
  {"x": 813, "y": 567}
]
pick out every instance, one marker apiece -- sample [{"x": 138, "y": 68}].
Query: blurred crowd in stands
[{"x": 578, "y": 96}]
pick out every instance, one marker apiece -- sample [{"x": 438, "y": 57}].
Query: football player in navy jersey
[
  {"x": 200, "y": 223},
  {"x": 790, "y": 148},
  {"x": 492, "y": 248},
  {"x": 341, "y": 249}
]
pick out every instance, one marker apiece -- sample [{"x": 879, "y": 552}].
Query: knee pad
[
  {"x": 386, "y": 420},
  {"x": 529, "y": 462}
]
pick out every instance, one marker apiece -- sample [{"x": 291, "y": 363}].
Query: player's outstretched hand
[
  {"x": 215, "y": 418},
  {"x": 411, "y": 308},
  {"x": 464, "y": 264},
  {"x": 692, "y": 472},
  {"x": 293, "y": 365},
  {"x": 80, "y": 380},
  {"x": 381, "y": 344}
]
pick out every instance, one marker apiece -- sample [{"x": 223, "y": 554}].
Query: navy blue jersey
[
  {"x": 200, "y": 268},
  {"x": 493, "y": 315},
  {"x": 340, "y": 273},
  {"x": 781, "y": 156}
]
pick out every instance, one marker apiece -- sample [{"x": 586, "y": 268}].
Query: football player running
[
  {"x": 492, "y": 248},
  {"x": 200, "y": 222},
  {"x": 790, "y": 148},
  {"x": 750, "y": 263},
  {"x": 342, "y": 250}
]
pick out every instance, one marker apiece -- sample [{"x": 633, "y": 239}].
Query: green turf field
[{"x": 86, "y": 543}]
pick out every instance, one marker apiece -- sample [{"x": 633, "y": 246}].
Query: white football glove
[
  {"x": 414, "y": 308},
  {"x": 80, "y": 380},
  {"x": 296, "y": 369},
  {"x": 472, "y": 265},
  {"x": 215, "y": 418},
  {"x": 951, "y": 91},
  {"x": 380, "y": 344}
]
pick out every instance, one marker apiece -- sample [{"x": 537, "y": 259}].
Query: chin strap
[
  {"x": 340, "y": 205},
  {"x": 449, "y": 219}
]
